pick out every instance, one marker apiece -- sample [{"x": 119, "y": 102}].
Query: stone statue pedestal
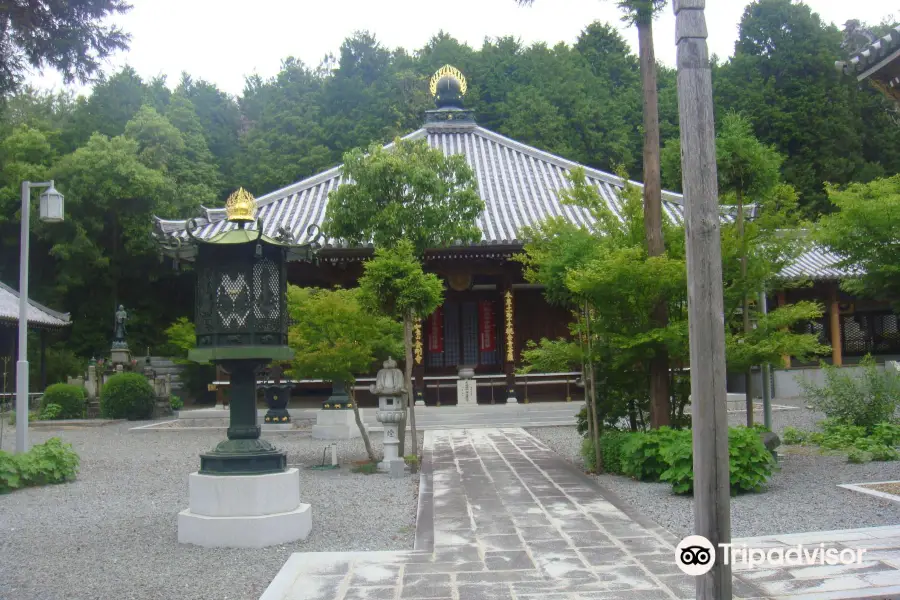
[
  {"x": 335, "y": 424},
  {"x": 244, "y": 511},
  {"x": 120, "y": 355}
]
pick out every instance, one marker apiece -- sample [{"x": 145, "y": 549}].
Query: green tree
[
  {"x": 335, "y": 338},
  {"x": 782, "y": 77},
  {"x": 395, "y": 285},
  {"x": 411, "y": 196},
  {"x": 862, "y": 230},
  {"x": 70, "y": 37}
]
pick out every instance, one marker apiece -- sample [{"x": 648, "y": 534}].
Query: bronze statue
[{"x": 119, "y": 331}]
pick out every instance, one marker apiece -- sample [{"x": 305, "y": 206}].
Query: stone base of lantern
[
  {"x": 336, "y": 424},
  {"x": 244, "y": 511}
]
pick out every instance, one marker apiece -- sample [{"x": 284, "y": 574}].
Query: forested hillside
[{"x": 138, "y": 147}]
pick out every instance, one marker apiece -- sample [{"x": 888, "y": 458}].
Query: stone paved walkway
[{"x": 506, "y": 518}]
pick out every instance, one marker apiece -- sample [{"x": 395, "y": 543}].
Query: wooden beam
[
  {"x": 43, "y": 338},
  {"x": 782, "y": 301},
  {"x": 834, "y": 313},
  {"x": 712, "y": 499}
]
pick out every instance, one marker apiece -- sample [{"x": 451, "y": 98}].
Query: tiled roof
[
  {"x": 873, "y": 55},
  {"x": 519, "y": 185},
  {"x": 38, "y": 314},
  {"x": 817, "y": 264}
]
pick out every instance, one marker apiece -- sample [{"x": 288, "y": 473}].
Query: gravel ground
[
  {"x": 802, "y": 496},
  {"x": 112, "y": 533}
]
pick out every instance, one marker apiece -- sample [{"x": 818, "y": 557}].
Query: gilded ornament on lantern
[
  {"x": 240, "y": 206},
  {"x": 417, "y": 347},
  {"x": 451, "y": 71},
  {"x": 510, "y": 356}
]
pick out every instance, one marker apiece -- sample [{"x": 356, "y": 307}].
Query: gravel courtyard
[
  {"x": 802, "y": 496},
  {"x": 112, "y": 533}
]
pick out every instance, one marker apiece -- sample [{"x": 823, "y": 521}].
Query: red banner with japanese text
[
  {"x": 436, "y": 331},
  {"x": 487, "y": 341}
]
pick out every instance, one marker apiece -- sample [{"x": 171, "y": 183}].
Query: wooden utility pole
[{"x": 712, "y": 516}]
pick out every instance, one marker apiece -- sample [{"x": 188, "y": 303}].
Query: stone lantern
[
  {"x": 241, "y": 325},
  {"x": 389, "y": 389}
]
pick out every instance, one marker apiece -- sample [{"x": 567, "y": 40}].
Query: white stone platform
[
  {"x": 244, "y": 511},
  {"x": 336, "y": 425}
]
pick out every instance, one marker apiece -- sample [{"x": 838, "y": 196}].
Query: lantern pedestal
[
  {"x": 336, "y": 424},
  {"x": 251, "y": 511},
  {"x": 243, "y": 453}
]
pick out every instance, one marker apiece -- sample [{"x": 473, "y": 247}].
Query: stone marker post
[
  {"x": 712, "y": 517},
  {"x": 389, "y": 389}
]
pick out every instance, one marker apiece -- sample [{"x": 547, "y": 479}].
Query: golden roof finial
[
  {"x": 240, "y": 207},
  {"x": 452, "y": 72}
]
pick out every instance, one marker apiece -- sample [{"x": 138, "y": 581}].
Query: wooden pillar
[
  {"x": 509, "y": 335},
  {"x": 43, "y": 338},
  {"x": 712, "y": 497},
  {"x": 782, "y": 301},
  {"x": 418, "y": 364},
  {"x": 834, "y": 313}
]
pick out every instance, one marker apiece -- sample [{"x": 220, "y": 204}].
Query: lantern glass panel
[{"x": 51, "y": 206}]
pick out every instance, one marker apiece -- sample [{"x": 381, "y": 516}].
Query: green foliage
[
  {"x": 180, "y": 338},
  {"x": 32, "y": 416},
  {"x": 367, "y": 468},
  {"x": 791, "y": 436},
  {"x": 750, "y": 463},
  {"x": 612, "y": 446},
  {"x": 884, "y": 453},
  {"x": 127, "y": 396},
  {"x": 859, "y": 456},
  {"x": 50, "y": 462},
  {"x": 837, "y": 434},
  {"x": 394, "y": 284},
  {"x": 862, "y": 230},
  {"x": 69, "y": 398},
  {"x": 73, "y": 38},
  {"x": 407, "y": 192},
  {"x": 887, "y": 433},
  {"x": 642, "y": 453},
  {"x": 679, "y": 456},
  {"x": 334, "y": 337},
  {"x": 61, "y": 364},
  {"x": 588, "y": 455},
  {"x": 50, "y": 412},
  {"x": 864, "y": 400},
  {"x": 176, "y": 402}
]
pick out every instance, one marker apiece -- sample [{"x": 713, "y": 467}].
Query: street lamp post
[{"x": 51, "y": 211}]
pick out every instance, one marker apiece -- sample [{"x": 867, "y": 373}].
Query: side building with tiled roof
[{"x": 520, "y": 186}]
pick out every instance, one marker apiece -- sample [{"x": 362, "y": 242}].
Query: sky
[{"x": 222, "y": 41}]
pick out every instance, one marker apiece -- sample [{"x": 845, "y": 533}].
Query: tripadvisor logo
[{"x": 695, "y": 555}]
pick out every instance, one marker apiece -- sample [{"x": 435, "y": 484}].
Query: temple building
[
  {"x": 878, "y": 62},
  {"x": 490, "y": 312}
]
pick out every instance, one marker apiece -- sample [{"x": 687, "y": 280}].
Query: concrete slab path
[{"x": 502, "y": 516}]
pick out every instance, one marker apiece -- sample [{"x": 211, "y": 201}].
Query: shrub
[
  {"x": 127, "y": 395},
  {"x": 858, "y": 456},
  {"x": 70, "y": 399},
  {"x": 887, "y": 434},
  {"x": 679, "y": 455},
  {"x": 791, "y": 436},
  {"x": 862, "y": 400},
  {"x": 50, "y": 412},
  {"x": 836, "y": 435},
  {"x": 612, "y": 447},
  {"x": 50, "y": 462},
  {"x": 882, "y": 452},
  {"x": 750, "y": 462},
  {"x": 176, "y": 402},
  {"x": 642, "y": 453}
]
